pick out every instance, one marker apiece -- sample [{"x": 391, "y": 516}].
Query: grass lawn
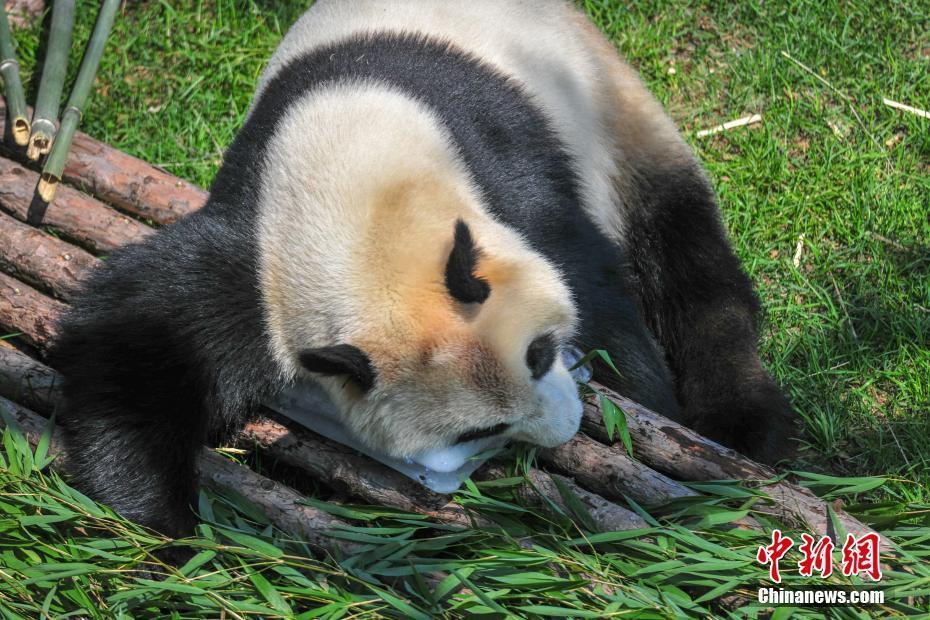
[{"x": 827, "y": 201}]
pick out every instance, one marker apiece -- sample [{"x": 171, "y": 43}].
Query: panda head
[{"x": 461, "y": 339}]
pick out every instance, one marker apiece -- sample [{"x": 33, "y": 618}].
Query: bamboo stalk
[
  {"x": 71, "y": 118},
  {"x": 126, "y": 182},
  {"x": 54, "y": 70},
  {"x": 12, "y": 85}
]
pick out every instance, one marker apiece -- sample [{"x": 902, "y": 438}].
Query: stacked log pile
[{"x": 112, "y": 199}]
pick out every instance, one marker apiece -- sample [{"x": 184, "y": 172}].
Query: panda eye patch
[
  {"x": 481, "y": 433},
  {"x": 463, "y": 285},
  {"x": 540, "y": 355}
]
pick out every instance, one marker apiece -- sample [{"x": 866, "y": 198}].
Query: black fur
[
  {"x": 702, "y": 307},
  {"x": 461, "y": 281},
  {"x": 166, "y": 347},
  {"x": 164, "y": 351},
  {"x": 540, "y": 355},
  {"x": 341, "y": 359}
]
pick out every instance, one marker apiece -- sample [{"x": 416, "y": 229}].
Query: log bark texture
[
  {"x": 27, "y": 311},
  {"x": 352, "y": 473},
  {"x": 612, "y": 473},
  {"x": 41, "y": 259},
  {"x": 124, "y": 181},
  {"x": 606, "y": 515},
  {"x": 686, "y": 455},
  {"x": 74, "y": 214},
  {"x": 282, "y": 505},
  {"x": 28, "y": 382}
]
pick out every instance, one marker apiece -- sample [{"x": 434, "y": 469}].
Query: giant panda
[{"x": 427, "y": 202}]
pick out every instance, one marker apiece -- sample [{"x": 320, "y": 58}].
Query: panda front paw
[{"x": 755, "y": 420}]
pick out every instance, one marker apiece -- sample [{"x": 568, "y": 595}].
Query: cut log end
[
  {"x": 21, "y": 130},
  {"x": 48, "y": 185}
]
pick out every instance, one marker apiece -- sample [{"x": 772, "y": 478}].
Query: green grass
[{"x": 847, "y": 327}]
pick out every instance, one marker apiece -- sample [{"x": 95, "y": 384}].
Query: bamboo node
[{"x": 76, "y": 110}]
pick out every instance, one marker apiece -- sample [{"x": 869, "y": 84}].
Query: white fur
[
  {"x": 534, "y": 41},
  {"x": 347, "y": 257}
]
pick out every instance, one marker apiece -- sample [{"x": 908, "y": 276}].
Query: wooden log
[
  {"x": 32, "y": 425},
  {"x": 282, "y": 505},
  {"x": 27, "y": 381},
  {"x": 75, "y": 215},
  {"x": 359, "y": 476},
  {"x": 684, "y": 454},
  {"x": 669, "y": 446},
  {"x": 352, "y": 473},
  {"x": 606, "y": 515},
  {"x": 612, "y": 473},
  {"x": 126, "y": 182},
  {"x": 24, "y": 309},
  {"x": 129, "y": 183},
  {"x": 42, "y": 260}
]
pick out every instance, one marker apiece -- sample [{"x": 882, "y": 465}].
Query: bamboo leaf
[{"x": 271, "y": 595}]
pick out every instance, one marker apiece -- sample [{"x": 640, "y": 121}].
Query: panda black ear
[
  {"x": 341, "y": 359},
  {"x": 463, "y": 284}
]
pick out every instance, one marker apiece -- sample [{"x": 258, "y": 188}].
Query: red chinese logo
[
  {"x": 817, "y": 557},
  {"x": 862, "y": 556},
  {"x": 773, "y": 553}
]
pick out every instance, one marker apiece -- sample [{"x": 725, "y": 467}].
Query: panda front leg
[
  {"x": 701, "y": 306},
  {"x": 135, "y": 460},
  {"x": 132, "y": 420}
]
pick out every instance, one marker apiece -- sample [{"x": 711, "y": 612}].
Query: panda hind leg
[{"x": 702, "y": 308}]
